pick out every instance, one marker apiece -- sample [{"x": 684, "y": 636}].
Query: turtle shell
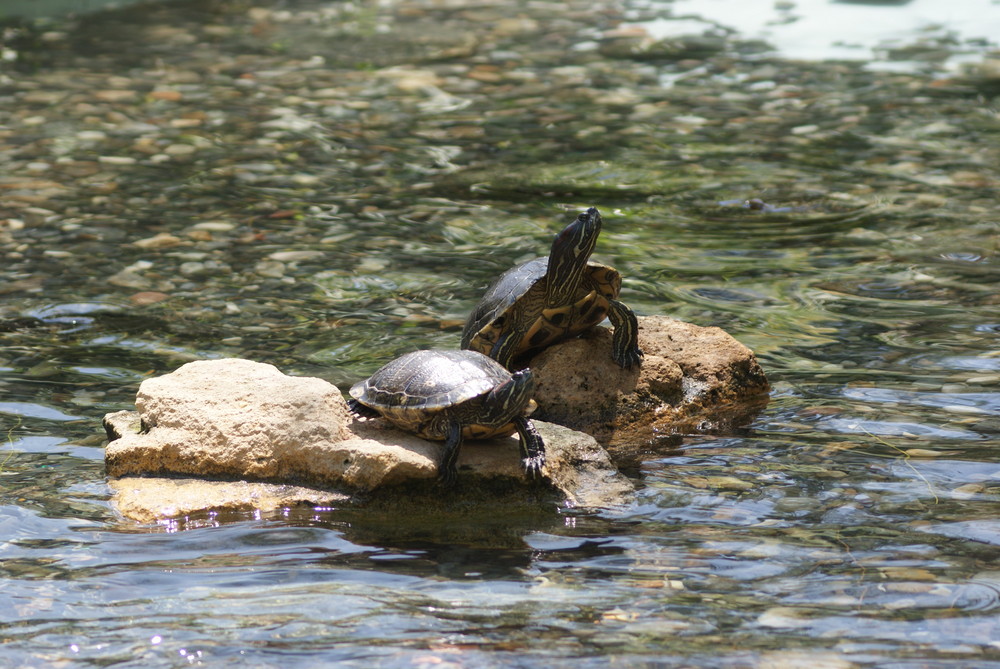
[
  {"x": 413, "y": 388},
  {"x": 517, "y": 301}
]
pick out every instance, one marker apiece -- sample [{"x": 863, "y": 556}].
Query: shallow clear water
[{"x": 335, "y": 184}]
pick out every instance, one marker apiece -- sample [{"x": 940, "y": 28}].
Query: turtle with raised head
[
  {"x": 450, "y": 396},
  {"x": 546, "y": 300}
]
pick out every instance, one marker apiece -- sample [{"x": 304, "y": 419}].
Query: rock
[
  {"x": 690, "y": 375},
  {"x": 579, "y": 469},
  {"x": 237, "y": 419},
  {"x": 149, "y": 499},
  {"x": 229, "y": 418}
]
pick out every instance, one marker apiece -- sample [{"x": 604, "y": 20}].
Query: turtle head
[
  {"x": 509, "y": 399},
  {"x": 571, "y": 250}
]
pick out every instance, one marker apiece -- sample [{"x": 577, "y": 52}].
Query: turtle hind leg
[
  {"x": 625, "y": 341},
  {"x": 361, "y": 410},
  {"x": 447, "y": 469},
  {"x": 532, "y": 447}
]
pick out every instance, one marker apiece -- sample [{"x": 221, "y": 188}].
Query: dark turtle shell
[{"x": 411, "y": 389}]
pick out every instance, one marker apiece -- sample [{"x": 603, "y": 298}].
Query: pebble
[
  {"x": 159, "y": 241},
  {"x": 167, "y": 94},
  {"x": 270, "y": 269},
  {"x": 91, "y": 135},
  {"x": 179, "y": 150},
  {"x": 214, "y": 226},
  {"x": 148, "y": 297},
  {"x": 191, "y": 268},
  {"x": 116, "y": 160},
  {"x": 43, "y": 97},
  {"x": 295, "y": 256},
  {"x": 115, "y": 95}
]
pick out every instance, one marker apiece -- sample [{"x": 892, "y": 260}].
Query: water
[{"x": 323, "y": 186}]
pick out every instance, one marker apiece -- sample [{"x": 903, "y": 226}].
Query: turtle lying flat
[
  {"x": 546, "y": 300},
  {"x": 451, "y": 395}
]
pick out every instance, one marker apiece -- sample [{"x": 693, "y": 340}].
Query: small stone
[
  {"x": 160, "y": 241},
  {"x": 186, "y": 123},
  {"x": 925, "y": 453},
  {"x": 91, "y": 135},
  {"x": 116, "y": 160},
  {"x": 214, "y": 226},
  {"x": 295, "y": 256},
  {"x": 929, "y": 201},
  {"x": 270, "y": 269},
  {"x": 179, "y": 150},
  {"x": 166, "y": 94},
  {"x": 43, "y": 97},
  {"x": 115, "y": 95},
  {"x": 191, "y": 268},
  {"x": 145, "y": 298},
  {"x": 129, "y": 278},
  {"x": 967, "y": 491}
]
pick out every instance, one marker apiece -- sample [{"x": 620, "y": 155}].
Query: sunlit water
[
  {"x": 887, "y": 34},
  {"x": 331, "y": 213}
]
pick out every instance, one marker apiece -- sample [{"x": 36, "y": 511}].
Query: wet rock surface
[
  {"x": 238, "y": 419},
  {"x": 151, "y": 499},
  {"x": 689, "y": 375}
]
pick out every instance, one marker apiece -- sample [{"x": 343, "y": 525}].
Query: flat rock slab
[
  {"x": 241, "y": 420},
  {"x": 155, "y": 499},
  {"x": 689, "y": 375}
]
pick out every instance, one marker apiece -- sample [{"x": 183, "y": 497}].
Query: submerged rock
[
  {"x": 689, "y": 375},
  {"x": 150, "y": 499},
  {"x": 238, "y": 419}
]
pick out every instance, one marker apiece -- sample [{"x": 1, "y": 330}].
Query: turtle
[
  {"x": 449, "y": 395},
  {"x": 543, "y": 301}
]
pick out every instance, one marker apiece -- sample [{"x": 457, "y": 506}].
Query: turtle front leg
[
  {"x": 532, "y": 447},
  {"x": 625, "y": 341},
  {"x": 447, "y": 471}
]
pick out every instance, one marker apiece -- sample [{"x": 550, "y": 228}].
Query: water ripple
[
  {"x": 983, "y": 403},
  {"x": 32, "y": 410},
  {"x": 893, "y": 429}
]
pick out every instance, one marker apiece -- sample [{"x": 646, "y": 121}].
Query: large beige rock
[
  {"x": 237, "y": 419},
  {"x": 690, "y": 375}
]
